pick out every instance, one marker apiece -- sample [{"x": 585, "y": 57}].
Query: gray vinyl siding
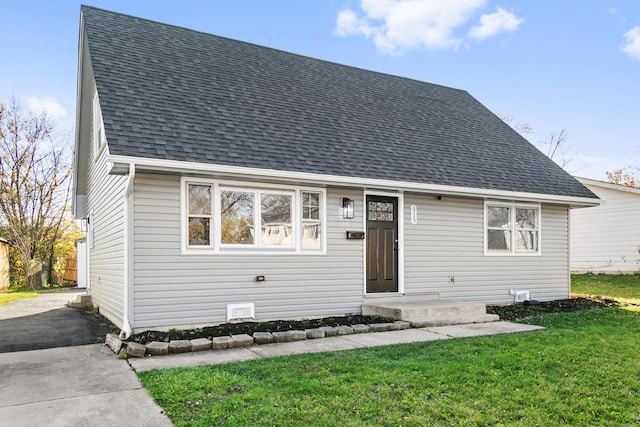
[
  {"x": 448, "y": 240},
  {"x": 173, "y": 289},
  {"x": 105, "y": 200},
  {"x": 606, "y": 238}
]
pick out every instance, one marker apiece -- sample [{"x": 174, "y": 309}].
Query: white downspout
[{"x": 128, "y": 253}]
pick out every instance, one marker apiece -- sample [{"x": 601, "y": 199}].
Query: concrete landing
[{"x": 427, "y": 312}]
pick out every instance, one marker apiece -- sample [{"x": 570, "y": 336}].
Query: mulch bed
[
  {"x": 529, "y": 309},
  {"x": 511, "y": 313},
  {"x": 228, "y": 329}
]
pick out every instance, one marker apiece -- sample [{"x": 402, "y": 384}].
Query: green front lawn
[
  {"x": 623, "y": 287},
  {"x": 583, "y": 370}
]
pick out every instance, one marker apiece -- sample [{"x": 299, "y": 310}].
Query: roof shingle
[{"x": 172, "y": 93}]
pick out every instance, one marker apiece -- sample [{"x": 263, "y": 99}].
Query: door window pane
[{"x": 380, "y": 211}]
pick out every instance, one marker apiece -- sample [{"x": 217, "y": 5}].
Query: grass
[
  {"x": 623, "y": 287},
  {"x": 583, "y": 370},
  {"x": 14, "y": 295}
]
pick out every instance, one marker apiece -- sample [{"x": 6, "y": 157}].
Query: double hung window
[{"x": 512, "y": 229}]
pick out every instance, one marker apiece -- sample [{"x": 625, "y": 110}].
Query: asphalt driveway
[{"x": 45, "y": 322}]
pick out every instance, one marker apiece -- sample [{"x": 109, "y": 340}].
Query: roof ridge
[{"x": 299, "y": 55}]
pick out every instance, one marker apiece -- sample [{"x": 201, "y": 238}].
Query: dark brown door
[{"x": 382, "y": 244}]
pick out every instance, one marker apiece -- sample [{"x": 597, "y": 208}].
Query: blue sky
[{"x": 552, "y": 65}]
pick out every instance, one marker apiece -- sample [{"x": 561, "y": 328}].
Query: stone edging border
[{"x": 157, "y": 348}]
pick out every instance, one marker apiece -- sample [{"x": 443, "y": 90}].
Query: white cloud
[
  {"x": 632, "y": 46},
  {"x": 397, "y": 25},
  {"x": 495, "y": 23},
  {"x": 49, "y": 105},
  {"x": 394, "y": 25}
]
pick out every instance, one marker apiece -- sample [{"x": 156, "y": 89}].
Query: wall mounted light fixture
[{"x": 347, "y": 208}]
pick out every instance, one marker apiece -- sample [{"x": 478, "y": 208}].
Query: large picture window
[
  {"x": 512, "y": 229},
  {"x": 223, "y": 218},
  {"x": 237, "y": 217}
]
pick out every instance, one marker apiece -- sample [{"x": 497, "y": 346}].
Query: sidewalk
[{"x": 344, "y": 342}]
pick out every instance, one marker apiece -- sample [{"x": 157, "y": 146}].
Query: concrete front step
[
  {"x": 422, "y": 313},
  {"x": 82, "y": 301},
  {"x": 448, "y": 321}
]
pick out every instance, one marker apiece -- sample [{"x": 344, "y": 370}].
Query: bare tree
[
  {"x": 520, "y": 127},
  {"x": 34, "y": 186},
  {"x": 557, "y": 148}
]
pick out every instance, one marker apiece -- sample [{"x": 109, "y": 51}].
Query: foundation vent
[
  {"x": 241, "y": 311},
  {"x": 522, "y": 296}
]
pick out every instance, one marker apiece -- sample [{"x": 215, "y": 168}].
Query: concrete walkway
[
  {"x": 344, "y": 342},
  {"x": 73, "y": 386}
]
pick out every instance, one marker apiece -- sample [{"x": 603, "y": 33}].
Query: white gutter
[
  {"x": 174, "y": 166},
  {"x": 128, "y": 254}
]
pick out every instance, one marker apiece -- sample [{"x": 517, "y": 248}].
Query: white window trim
[
  {"x": 217, "y": 247},
  {"x": 212, "y": 232},
  {"x": 512, "y": 206},
  {"x": 99, "y": 136}
]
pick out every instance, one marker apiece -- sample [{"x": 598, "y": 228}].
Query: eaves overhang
[{"x": 120, "y": 164}]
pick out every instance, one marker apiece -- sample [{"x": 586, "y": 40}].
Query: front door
[{"x": 382, "y": 244}]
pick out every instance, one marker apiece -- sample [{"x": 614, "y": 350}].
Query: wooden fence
[{"x": 70, "y": 273}]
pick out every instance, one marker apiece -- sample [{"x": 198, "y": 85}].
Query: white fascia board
[
  {"x": 619, "y": 187},
  {"x": 173, "y": 166},
  {"x": 74, "y": 177}
]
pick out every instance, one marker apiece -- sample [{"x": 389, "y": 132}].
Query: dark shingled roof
[{"x": 172, "y": 93}]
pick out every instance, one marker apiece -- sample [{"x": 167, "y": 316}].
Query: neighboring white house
[
  {"x": 360, "y": 184},
  {"x": 606, "y": 238}
]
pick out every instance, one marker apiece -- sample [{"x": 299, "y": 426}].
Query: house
[
  {"x": 5, "y": 278},
  {"x": 359, "y": 184},
  {"x": 606, "y": 238}
]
